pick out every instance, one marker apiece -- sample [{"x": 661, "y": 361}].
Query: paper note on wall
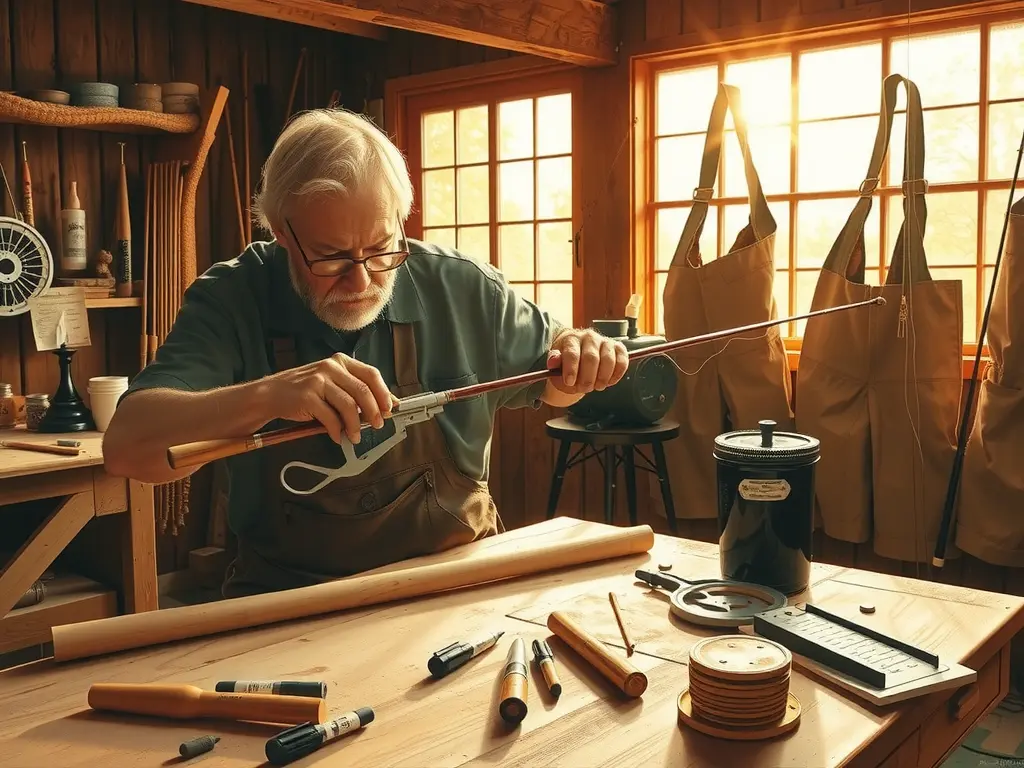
[{"x": 59, "y": 317}]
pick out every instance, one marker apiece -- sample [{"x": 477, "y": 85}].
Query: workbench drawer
[{"x": 950, "y": 723}]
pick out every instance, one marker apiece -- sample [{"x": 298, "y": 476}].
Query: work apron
[
  {"x": 991, "y": 504},
  {"x": 880, "y": 386},
  {"x": 412, "y": 501},
  {"x": 722, "y": 387}
]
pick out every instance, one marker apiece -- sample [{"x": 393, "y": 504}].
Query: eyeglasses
[{"x": 339, "y": 264}]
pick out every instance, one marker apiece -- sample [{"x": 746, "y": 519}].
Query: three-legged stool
[{"x": 612, "y": 447}]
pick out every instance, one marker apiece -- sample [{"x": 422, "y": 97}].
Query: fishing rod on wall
[{"x": 939, "y": 558}]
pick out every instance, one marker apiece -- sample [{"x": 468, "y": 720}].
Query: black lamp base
[{"x": 67, "y": 412}]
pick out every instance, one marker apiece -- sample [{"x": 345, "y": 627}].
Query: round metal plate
[{"x": 725, "y": 603}]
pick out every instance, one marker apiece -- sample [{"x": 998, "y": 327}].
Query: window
[
  {"x": 493, "y": 172},
  {"x": 812, "y": 112}
]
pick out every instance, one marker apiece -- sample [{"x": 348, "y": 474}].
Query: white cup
[{"x": 104, "y": 392}]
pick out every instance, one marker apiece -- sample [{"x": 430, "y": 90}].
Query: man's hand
[
  {"x": 339, "y": 392},
  {"x": 589, "y": 361}
]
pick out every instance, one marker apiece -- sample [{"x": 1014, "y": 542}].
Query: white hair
[{"x": 332, "y": 151}]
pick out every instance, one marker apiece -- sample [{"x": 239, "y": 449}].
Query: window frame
[
  {"x": 407, "y": 98},
  {"x": 643, "y": 76}
]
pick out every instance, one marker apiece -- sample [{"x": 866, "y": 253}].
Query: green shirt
[{"x": 468, "y": 324}]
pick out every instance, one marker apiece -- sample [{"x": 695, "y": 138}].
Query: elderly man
[{"x": 333, "y": 320}]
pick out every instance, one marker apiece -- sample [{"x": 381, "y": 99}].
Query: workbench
[
  {"x": 115, "y": 560},
  {"x": 376, "y": 656}
]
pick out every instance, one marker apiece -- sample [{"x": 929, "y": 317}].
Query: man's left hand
[{"x": 589, "y": 361}]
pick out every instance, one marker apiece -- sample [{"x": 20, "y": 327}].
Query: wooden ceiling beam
[
  {"x": 581, "y": 32},
  {"x": 286, "y": 11}
]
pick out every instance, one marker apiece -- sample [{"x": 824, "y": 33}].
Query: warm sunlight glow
[
  {"x": 526, "y": 229},
  {"x": 813, "y": 115}
]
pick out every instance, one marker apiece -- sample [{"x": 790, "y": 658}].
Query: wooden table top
[
  {"x": 16, "y": 463},
  {"x": 377, "y": 657}
]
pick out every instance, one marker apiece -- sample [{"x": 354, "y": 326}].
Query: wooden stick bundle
[
  {"x": 162, "y": 299},
  {"x": 579, "y": 544}
]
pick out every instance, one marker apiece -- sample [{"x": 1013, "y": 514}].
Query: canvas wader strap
[
  {"x": 911, "y": 235},
  {"x": 761, "y": 220}
]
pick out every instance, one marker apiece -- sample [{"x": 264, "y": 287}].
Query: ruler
[{"x": 859, "y": 659}]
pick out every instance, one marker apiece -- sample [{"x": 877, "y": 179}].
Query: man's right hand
[{"x": 340, "y": 392}]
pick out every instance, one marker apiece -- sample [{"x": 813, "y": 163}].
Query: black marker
[
  {"x": 197, "y": 746},
  {"x": 450, "y": 658},
  {"x": 301, "y": 740},
  {"x": 312, "y": 689}
]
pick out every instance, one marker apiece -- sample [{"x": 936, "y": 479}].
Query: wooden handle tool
[
  {"x": 60, "y": 450},
  {"x": 185, "y": 702},
  {"x": 627, "y": 678}
]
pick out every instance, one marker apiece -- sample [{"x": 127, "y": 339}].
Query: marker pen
[
  {"x": 514, "y": 684},
  {"x": 312, "y": 689},
  {"x": 453, "y": 656},
  {"x": 546, "y": 661},
  {"x": 301, "y": 740}
]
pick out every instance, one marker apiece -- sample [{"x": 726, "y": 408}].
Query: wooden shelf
[
  {"x": 113, "y": 302},
  {"x": 15, "y": 109},
  {"x": 78, "y": 599}
]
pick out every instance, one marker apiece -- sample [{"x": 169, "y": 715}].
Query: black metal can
[{"x": 766, "y": 506}]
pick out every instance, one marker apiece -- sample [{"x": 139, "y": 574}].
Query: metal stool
[{"x": 612, "y": 447}]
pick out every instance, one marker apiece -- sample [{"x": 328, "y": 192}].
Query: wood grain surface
[{"x": 377, "y": 656}]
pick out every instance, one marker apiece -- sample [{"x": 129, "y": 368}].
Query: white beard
[{"x": 334, "y": 309}]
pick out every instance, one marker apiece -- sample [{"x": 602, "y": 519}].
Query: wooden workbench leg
[
  {"x": 138, "y": 556},
  {"x": 49, "y": 540}
]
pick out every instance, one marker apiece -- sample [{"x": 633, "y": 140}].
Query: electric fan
[{"x": 26, "y": 265}]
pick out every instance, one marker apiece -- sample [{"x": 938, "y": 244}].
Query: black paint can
[{"x": 766, "y": 506}]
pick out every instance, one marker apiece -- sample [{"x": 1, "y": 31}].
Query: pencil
[{"x": 630, "y": 645}]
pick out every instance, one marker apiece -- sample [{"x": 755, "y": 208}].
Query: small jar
[
  {"x": 8, "y": 411},
  {"x": 35, "y": 408}
]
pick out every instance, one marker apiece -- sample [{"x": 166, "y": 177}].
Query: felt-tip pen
[
  {"x": 301, "y": 740},
  {"x": 313, "y": 689},
  {"x": 546, "y": 661},
  {"x": 453, "y": 656}
]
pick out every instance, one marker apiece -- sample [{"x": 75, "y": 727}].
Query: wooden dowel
[
  {"x": 144, "y": 351},
  {"x": 186, "y": 702},
  {"x": 627, "y": 641},
  {"x": 295, "y": 85},
  {"x": 627, "y": 678},
  {"x": 234, "y": 182},
  {"x": 483, "y": 566},
  {"x": 245, "y": 169},
  {"x": 60, "y": 450}
]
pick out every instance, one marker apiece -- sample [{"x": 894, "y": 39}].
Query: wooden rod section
[
  {"x": 186, "y": 702},
  {"x": 627, "y": 678}
]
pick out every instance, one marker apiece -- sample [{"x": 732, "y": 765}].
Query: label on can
[{"x": 764, "y": 490}]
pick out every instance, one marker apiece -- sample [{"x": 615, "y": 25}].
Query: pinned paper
[{"x": 59, "y": 317}]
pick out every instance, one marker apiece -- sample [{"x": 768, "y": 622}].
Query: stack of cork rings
[
  {"x": 145, "y": 96},
  {"x": 94, "y": 94},
  {"x": 179, "y": 98},
  {"x": 739, "y": 689}
]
